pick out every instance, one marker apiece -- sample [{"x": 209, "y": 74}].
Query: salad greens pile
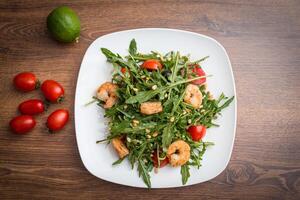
[{"x": 149, "y": 135}]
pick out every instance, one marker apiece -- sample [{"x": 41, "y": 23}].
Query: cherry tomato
[
  {"x": 199, "y": 72},
  {"x": 22, "y": 124},
  {"x": 32, "y": 107},
  {"x": 152, "y": 65},
  {"x": 53, "y": 91},
  {"x": 26, "y": 82},
  {"x": 162, "y": 163},
  {"x": 57, "y": 119},
  {"x": 197, "y": 132},
  {"x": 123, "y": 70}
]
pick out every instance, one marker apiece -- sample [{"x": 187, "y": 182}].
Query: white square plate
[{"x": 90, "y": 123}]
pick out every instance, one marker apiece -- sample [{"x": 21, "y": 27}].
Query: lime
[{"x": 63, "y": 24}]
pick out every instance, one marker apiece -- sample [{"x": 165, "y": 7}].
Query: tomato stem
[
  {"x": 48, "y": 130},
  {"x": 60, "y": 99},
  {"x": 37, "y": 84},
  {"x": 46, "y": 104}
]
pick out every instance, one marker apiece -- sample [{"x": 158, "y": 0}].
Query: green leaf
[
  {"x": 125, "y": 113},
  {"x": 167, "y": 136},
  {"x": 208, "y": 144},
  {"x": 226, "y": 103},
  {"x": 132, "y": 47},
  {"x": 109, "y": 55},
  {"x": 174, "y": 68},
  {"x": 201, "y": 153},
  {"x": 144, "y": 57},
  {"x": 141, "y": 151},
  {"x": 221, "y": 97},
  {"x": 177, "y": 102},
  {"x": 198, "y": 61},
  {"x": 113, "y": 58},
  {"x": 119, "y": 127},
  {"x": 142, "y": 96},
  {"x": 124, "y": 127},
  {"x": 185, "y": 174},
  {"x": 119, "y": 161},
  {"x": 100, "y": 141},
  {"x": 132, "y": 158},
  {"x": 144, "y": 173}
]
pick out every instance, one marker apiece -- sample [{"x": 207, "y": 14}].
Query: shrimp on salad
[{"x": 107, "y": 93}]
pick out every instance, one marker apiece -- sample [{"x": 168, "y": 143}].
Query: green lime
[{"x": 63, "y": 24}]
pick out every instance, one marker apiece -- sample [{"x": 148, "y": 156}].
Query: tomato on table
[
  {"x": 152, "y": 64},
  {"x": 197, "y": 132},
  {"x": 162, "y": 163},
  {"x": 57, "y": 120},
  {"x": 32, "y": 107},
  {"x": 22, "y": 124},
  {"x": 199, "y": 72},
  {"x": 53, "y": 91},
  {"x": 26, "y": 81}
]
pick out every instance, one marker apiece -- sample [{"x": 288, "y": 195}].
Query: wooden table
[{"x": 263, "y": 42}]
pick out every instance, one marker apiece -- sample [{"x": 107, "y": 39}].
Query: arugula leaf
[
  {"x": 109, "y": 55},
  {"x": 132, "y": 47},
  {"x": 125, "y": 113},
  {"x": 221, "y": 97},
  {"x": 119, "y": 127},
  {"x": 142, "y": 96},
  {"x": 140, "y": 57},
  {"x": 142, "y": 149},
  {"x": 177, "y": 102},
  {"x": 124, "y": 127},
  {"x": 167, "y": 136},
  {"x": 144, "y": 173},
  {"x": 113, "y": 58},
  {"x": 226, "y": 103},
  {"x": 198, "y": 61},
  {"x": 119, "y": 161},
  {"x": 185, "y": 174},
  {"x": 174, "y": 69},
  {"x": 132, "y": 158},
  {"x": 201, "y": 153}
]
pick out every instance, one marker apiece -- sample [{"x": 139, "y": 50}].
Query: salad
[{"x": 159, "y": 108}]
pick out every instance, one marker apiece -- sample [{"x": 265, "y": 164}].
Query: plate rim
[{"x": 160, "y": 29}]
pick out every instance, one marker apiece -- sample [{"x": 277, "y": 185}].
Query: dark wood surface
[{"x": 262, "y": 39}]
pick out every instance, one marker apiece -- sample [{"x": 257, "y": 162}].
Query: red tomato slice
[
  {"x": 162, "y": 163},
  {"x": 197, "y": 132},
  {"x": 199, "y": 72},
  {"x": 152, "y": 64}
]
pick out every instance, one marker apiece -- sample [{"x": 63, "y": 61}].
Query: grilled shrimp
[
  {"x": 178, "y": 153},
  {"x": 193, "y": 96},
  {"x": 120, "y": 147},
  {"x": 107, "y": 93},
  {"x": 149, "y": 108}
]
